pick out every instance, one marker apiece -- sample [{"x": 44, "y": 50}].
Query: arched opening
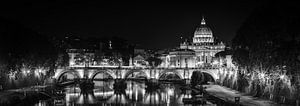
[
  {"x": 67, "y": 76},
  {"x": 169, "y": 76},
  {"x": 208, "y": 78},
  {"x": 103, "y": 80},
  {"x": 136, "y": 75},
  {"x": 101, "y": 76}
]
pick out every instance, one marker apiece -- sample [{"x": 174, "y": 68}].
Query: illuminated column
[
  {"x": 71, "y": 59},
  {"x": 199, "y": 57},
  {"x": 130, "y": 61}
]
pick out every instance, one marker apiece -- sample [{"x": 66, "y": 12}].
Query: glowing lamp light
[
  {"x": 215, "y": 62},
  {"x": 281, "y": 76},
  {"x": 36, "y": 73},
  {"x": 262, "y": 75},
  {"x": 40, "y": 71},
  {"x": 12, "y": 75},
  {"x": 230, "y": 73}
]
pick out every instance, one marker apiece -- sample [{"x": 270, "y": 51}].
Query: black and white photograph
[{"x": 150, "y": 53}]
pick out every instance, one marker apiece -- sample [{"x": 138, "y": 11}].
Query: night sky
[{"x": 151, "y": 24}]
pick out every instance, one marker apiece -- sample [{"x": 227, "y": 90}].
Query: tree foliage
[
  {"x": 154, "y": 60},
  {"x": 22, "y": 48},
  {"x": 269, "y": 38},
  {"x": 197, "y": 78},
  {"x": 266, "y": 49}
]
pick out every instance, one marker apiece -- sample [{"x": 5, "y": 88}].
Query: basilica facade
[
  {"x": 200, "y": 52},
  {"x": 204, "y": 44}
]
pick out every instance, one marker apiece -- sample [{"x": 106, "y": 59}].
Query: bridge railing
[{"x": 133, "y": 67}]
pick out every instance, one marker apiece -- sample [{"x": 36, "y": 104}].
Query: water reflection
[{"x": 135, "y": 95}]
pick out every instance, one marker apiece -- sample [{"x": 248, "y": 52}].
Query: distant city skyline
[{"x": 151, "y": 25}]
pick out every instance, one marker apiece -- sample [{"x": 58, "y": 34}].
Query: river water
[{"x": 136, "y": 94}]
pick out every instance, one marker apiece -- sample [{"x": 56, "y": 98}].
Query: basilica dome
[
  {"x": 203, "y": 34},
  {"x": 203, "y": 30}
]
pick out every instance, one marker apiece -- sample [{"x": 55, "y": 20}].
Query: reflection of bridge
[
  {"x": 130, "y": 72},
  {"x": 134, "y": 95}
]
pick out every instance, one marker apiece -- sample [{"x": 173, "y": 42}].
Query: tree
[
  {"x": 268, "y": 38},
  {"x": 21, "y": 48},
  {"x": 268, "y": 43},
  {"x": 154, "y": 60}
]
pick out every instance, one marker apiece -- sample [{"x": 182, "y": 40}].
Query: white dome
[
  {"x": 203, "y": 30},
  {"x": 203, "y": 34}
]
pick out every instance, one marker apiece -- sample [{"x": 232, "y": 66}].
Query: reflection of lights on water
[
  {"x": 167, "y": 99},
  {"x": 156, "y": 97},
  {"x": 70, "y": 96},
  {"x": 104, "y": 93},
  {"x": 41, "y": 103},
  {"x": 80, "y": 100},
  {"x": 167, "y": 96},
  {"x": 170, "y": 92},
  {"x": 117, "y": 98},
  {"x": 143, "y": 93},
  {"x": 90, "y": 98},
  {"x": 136, "y": 94}
]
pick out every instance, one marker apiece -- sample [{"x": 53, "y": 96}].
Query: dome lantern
[{"x": 203, "y": 21}]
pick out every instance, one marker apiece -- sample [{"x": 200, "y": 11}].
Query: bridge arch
[
  {"x": 210, "y": 74},
  {"x": 130, "y": 72},
  {"x": 72, "y": 72},
  {"x": 165, "y": 72},
  {"x": 208, "y": 77},
  {"x": 108, "y": 72}
]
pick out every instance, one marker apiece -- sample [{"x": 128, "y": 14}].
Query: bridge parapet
[
  {"x": 131, "y": 67},
  {"x": 148, "y": 72}
]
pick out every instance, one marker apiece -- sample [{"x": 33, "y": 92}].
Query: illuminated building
[
  {"x": 140, "y": 61},
  {"x": 94, "y": 57},
  {"x": 204, "y": 45},
  {"x": 181, "y": 58},
  {"x": 81, "y": 57}
]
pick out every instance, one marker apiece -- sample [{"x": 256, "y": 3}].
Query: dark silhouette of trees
[
  {"x": 22, "y": 48},
  {"x": 269, "y": 42},
  {"x": 197, "y": 78},
  {"x": 269, "y": 37},
  {"x": 154, "y": 61}
]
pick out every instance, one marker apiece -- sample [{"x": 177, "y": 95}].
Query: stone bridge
[{"x": 126, "y": 73}]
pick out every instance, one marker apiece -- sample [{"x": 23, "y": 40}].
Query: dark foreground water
[{"x": 136, "y": 94}]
